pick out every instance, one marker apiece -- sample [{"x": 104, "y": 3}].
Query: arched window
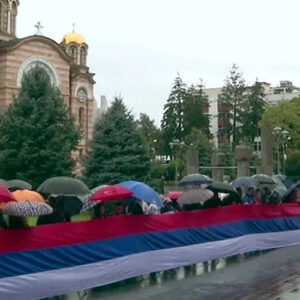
[
  {"x": 5, "y": 17},
  {"x": 83, "y": 54},
  {"x": 1, "y": 15},
  {"x": 81, "y": 116},
  {"x": 73, "y": 53},
  {"x": 13, "y": 19},
  {"x": 80, "y": 154}
]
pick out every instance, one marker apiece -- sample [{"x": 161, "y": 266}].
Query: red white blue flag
[{"x": 62, "y": 258}]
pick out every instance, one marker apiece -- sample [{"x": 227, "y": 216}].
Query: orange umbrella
[{"x": 26, "y": 195}]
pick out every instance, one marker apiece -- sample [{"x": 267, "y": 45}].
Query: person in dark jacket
[
  {"x": 213, "y": 202},
  {"x": 55, "y": 217}
]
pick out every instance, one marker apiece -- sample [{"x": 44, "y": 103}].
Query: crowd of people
[{"x": 134, "y": 206}]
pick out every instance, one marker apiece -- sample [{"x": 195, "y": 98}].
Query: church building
[{"x": 66, "y": 64}]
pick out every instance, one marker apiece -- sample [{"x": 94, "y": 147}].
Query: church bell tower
[{"x": 8, "y": 18}]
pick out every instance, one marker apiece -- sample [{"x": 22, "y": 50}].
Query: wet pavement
[{"x": 269, "y": 275}]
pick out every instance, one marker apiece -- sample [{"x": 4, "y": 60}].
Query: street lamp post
[
  {"x": 282, "y": 137},
  {"x": 175, "y": 146}
]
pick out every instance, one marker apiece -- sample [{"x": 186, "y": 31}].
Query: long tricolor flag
[{"x": 62, "y": 258}]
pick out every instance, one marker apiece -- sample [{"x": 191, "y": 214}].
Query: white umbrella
[
  {"x": 195, "y": 196},
  {"x": 27, "y": 209}
]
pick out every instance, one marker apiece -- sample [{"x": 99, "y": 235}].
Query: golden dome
[{"x": 73, "y": 37}]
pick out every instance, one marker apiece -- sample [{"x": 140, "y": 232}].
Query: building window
[
  {"x": 1, "y": 16},
  {"x": 81, "y": 116},
  {"x": 80, "y": 154},
  {"x": 83, "y": 54},
  {"x": 73, "y": 53},
  {"x": 13, "y": 19}
]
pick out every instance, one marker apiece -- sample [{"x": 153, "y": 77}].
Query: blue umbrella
[{"x": 142, "y": 191}]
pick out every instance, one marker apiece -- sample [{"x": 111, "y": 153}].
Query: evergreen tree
[
  {"x": 253, "y": 110},
  {"x": 195, "y": 113},
  {"x": 231, "y": 102},
  {"x": 149, "y": 132},
  {"x": 118, "y": 151},
  {"x": 37, "y": 134},
  {"x": 172, "y": 122}
]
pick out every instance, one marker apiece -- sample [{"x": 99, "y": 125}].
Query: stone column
[
  {"x": 192, "y": 161},
  {"x": 243, "y": 155},
  {"x": 218, "y": 162},
  {"x": 266, "y": 150}
]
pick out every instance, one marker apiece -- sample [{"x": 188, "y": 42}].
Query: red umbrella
[
  {"x": 5, "y": 195},
  {"x": 174, "y": 195},
  {"x": 110, "y": 193}
]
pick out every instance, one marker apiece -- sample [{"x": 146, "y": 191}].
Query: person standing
[{"x": 249, "y": 197}]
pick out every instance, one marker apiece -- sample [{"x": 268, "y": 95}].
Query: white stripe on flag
[{"x": 68, "y": 280}]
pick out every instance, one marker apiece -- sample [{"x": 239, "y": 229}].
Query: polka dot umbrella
[{"x": 27, "y": 209}]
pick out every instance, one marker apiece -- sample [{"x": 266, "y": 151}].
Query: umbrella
[
  {"x": 220, "y": 187},
  {"x": 290, "y": 191},
  {"x": 67, "y": 192},
  {"x": 87, "y": 204},
  {"x": 17, "y": 184},
  {"x": 174, "y": 195},
  {"x": 195, "y": 179},
  {"x": 26, "y": 195},
  {"x": 280, "y": 189},
  {"x": 142, "y": 191},
  {"x": 284, "y": 179},
  {"x": 3, "y": 182},
  {"x": 66, "y": 186},
  {"x": 195, "y": 196},
  {"x": 243, "y": 182},
  {"x": 110, "y": 193},
  {"x": 27, "y": 209},
  {"x": 5, "y": 195},
  {"x": 263, "y": 179}
]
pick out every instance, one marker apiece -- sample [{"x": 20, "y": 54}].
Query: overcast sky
[{"x": 136, "y": 47}]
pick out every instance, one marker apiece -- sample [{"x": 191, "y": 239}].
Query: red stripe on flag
[{"x": 65, "y": 234}]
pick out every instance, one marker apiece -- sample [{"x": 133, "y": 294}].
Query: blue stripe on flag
[{"x": 21, "y": 263}]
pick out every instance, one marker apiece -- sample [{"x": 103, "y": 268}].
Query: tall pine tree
[
  {"x": 118, "y": 152},
  {"x": 37, "y": 134},
  {"x": 149, "y": 132},
  {"x": 172, "y": 122},
  {"x": 231, "y": 102},
  {"x": 195, "y": 110},
  {"x": 253, "y": 109}
]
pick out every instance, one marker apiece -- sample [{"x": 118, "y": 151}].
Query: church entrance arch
[{"x": 31, "y": 62}]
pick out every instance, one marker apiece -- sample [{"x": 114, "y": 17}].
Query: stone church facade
[{"x": 66, "y": 64}]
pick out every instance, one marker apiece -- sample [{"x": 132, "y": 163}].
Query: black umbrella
[
  {"x": 195, "y": 179},
  {"x": 17, "y": 184},
  {"x": 290, "y": 191},
  {"x": 220, "y": 187},
  {"x": 65, "y": 186},
  {"x": 67, "y": 192}
]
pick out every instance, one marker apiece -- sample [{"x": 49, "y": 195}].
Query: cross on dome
[{"x": 39, "y": 28}]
